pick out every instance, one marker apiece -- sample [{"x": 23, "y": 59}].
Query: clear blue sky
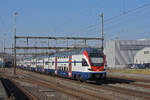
[{"x": 73, "y": 17}]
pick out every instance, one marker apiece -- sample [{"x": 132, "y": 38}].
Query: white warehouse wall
[
  {"x": 143, "y": 56},
  {"x": 120, "y": 53}
]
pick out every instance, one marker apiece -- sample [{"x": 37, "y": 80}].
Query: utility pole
[
  {"x": 4, "y": 53},
  {"x": 102, "y": 32},
  {"x": 15, "y": 14}
]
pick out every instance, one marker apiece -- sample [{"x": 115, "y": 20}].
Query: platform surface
[{"x": 3, "y": 94}]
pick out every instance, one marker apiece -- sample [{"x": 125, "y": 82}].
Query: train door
[
  {"x": 70, "y": 67},
  {"x": 55, "y": 65},
  {"x": 50, "y": 65}
]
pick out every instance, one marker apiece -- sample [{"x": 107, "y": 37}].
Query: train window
[
  {"x": 75, "y": 63},
  {"x": 46, "y": 63},
  {"x": 64, "y": 68},
  {"x": 97, "y": 61},
  {"x": 59, "y": 68},
  {"x": 52, "y": 63},
  {"x": 84, "y": 62}
]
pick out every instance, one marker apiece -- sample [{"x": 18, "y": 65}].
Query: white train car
[
  {"x": 33, "y": 64},
  {"x": 81, "y": 64}
]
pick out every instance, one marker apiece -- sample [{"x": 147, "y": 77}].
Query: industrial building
[
  {"x": 120, "y": 53},
  {"x": 142, "y": 56}
]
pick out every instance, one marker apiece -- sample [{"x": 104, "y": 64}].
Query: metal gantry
[{"x": 48, "y": 46}]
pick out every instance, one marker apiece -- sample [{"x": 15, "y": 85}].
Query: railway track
[
  {"x": 88, "y": 91},
  {"x": 73, "y": 91},
  {"x": 129, "y": 78},
  {"x": 123, "y": 81},
  {"x": 130, "y": 92},
  {"x": 15, "y": 91}
]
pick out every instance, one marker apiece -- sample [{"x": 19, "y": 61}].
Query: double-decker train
[{"x": 81, "y": 64}]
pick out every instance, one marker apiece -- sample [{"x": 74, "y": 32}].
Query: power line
[
  {"x": 93, "y": 26},
  {"x": 127, "y": 12},
  {"x": 115, "y": 17},
  {"x": 131, "y": 19},
  {"x": 87, "y": 27}
]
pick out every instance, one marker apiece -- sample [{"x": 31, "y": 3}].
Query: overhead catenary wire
[
  {"x": 131, "y": 19},
  {"x": 115, "y": 17},
  {"x": 90, "y": 27},
  {"x": 136, "y": 28},
  {"x": 127, "y": 12}
]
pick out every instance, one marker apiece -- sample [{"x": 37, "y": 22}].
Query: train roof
[
  {"x": 77, "y": 51},
  {"x": 70, "y": 52}
]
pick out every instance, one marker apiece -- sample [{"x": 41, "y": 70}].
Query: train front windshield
[
  {"x": 96, "y": 57},
  {"x": 97, "y": 61}
]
